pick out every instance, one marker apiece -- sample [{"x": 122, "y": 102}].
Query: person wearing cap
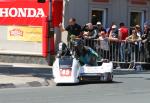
[
  {"x": 104, "y": 44},
  {"x": 85, "y": 54},
  {"x": 99, "y": 23},
  {"x": 113, "y": 37},
  {"x": 99, "y": 27},
  {"x": 146, "y": 40}
]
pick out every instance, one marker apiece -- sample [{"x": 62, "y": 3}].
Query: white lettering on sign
[{"x": 22, "y": 12}]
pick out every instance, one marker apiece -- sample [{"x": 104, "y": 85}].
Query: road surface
[{"x": 127, "y": 88}]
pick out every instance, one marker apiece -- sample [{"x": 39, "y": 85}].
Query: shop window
[
  {"x": 137, "y": 18},
  {"x": 98, "y": 15}
]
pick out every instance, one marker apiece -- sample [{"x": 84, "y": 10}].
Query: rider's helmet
[
  {"x": 62, "y": 46},
  {"x": 62, "y": 49},
  {"x": 79, "y": 45}
]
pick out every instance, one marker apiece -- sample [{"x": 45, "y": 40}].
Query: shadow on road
[
  {"x": 88, "y": 83},
  {"x": 40, "y": 72},
  {"x": 147, "y": 78}
]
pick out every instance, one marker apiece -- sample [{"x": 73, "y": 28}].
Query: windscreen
[{"x": 65, "y": 62}]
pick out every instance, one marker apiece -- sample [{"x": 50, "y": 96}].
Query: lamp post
[{"x": 50, "y": 33}]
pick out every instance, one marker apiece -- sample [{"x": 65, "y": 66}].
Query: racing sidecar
[{"x": 67, "y": 69}]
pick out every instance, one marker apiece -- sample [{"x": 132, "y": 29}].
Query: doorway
[
  {"x": 137, "y": 18},
  {"x": 98, "y": 15}
]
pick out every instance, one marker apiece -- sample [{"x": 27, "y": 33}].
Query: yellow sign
[{"x": 25, "y": 33}]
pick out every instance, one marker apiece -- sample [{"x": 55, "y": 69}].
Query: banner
[
  {"x": 25, "y": 33},
  {"x": 23, "y": 12}
]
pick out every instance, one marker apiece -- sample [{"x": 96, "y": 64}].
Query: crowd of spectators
[{"x": 114, "y": 41}]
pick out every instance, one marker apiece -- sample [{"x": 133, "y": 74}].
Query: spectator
[
  {"x": 99, "y": 27},
  {"x": 113, "y": 37},
  {"x": 134, "y": 40},
  {"x": 73, "y": 29},
  {"x": 146, "y": 40},
  {"x": 141, "y": 46},
  {"x": 90, "y": 32},
  {"x": 89, "y": 35},
  {"x": 110, "y": 28},
  {"x": 123, "y": 34},
  {"x": 138, "y": 30},
  {"x": 134, "y": 37},
  {"x": 104, "y": 44}
]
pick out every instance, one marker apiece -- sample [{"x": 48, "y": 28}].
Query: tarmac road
[{"x": 127, "y": 88}]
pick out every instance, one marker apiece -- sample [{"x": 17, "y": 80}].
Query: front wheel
[{"x": 110, "y": 77}]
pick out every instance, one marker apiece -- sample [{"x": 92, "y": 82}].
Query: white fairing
[
  {"x": 104, "y": 68},
  {"x": 74, "y": 73}
]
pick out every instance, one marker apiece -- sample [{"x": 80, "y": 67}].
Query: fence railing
[{"x": 118, "y": 52}]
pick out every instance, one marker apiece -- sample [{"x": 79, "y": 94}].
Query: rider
[
  {"x": 146, "y": 40},
  {"x": 62, "y": 50},
  {"x": 85, "y": 54}
]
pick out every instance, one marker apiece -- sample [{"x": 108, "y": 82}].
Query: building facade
[{"x": 131, "y": 12}]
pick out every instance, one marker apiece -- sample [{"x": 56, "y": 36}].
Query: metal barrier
[{"x": 118, "y": 52}]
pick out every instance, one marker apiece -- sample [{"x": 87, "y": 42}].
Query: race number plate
[{"x": 65, "y": 72}]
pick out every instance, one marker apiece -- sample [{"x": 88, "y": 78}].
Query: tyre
[{"x": 110, "y": 77}]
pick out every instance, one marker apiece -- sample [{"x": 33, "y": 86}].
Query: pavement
[{"x": 15, "y": 75}]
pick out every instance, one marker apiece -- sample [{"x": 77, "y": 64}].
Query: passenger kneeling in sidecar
[{"x": 85, "y": 54}]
